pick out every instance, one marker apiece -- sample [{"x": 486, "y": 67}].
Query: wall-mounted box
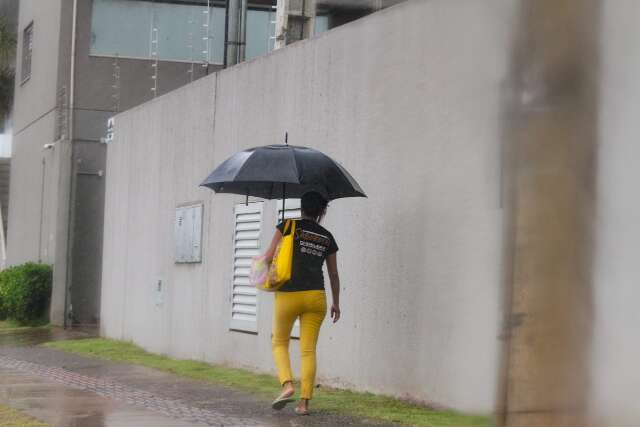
[{"x": 188, "y": 233}]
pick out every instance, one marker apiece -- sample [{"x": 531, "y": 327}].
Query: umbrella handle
[{"x": 283, "y": 199}]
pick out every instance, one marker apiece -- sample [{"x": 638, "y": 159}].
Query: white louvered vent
[
  {"x": 291, "y": 210},
  {"x": 244, "y": 305}
]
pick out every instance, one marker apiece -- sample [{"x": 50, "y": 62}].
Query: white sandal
[{"x": 281, "y": 401}]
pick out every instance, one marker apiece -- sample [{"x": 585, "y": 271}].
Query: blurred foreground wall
[
  {"x": 572, "y": 348},
  {"x": 551, "y": 138}
]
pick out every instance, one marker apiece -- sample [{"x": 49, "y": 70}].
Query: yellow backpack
[{"x": 282, "y": 263}]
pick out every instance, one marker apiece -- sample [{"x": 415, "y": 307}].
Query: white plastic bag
[{"x": 259, "y": 272}]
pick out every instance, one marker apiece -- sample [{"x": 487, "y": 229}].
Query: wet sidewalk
[{"x": 64, "y": 389}]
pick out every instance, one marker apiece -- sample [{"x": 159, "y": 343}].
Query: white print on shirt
[
  {"x": 312, "y": 243},
  {"x": 313, "y": 246},
  {"x": 310, "y": 236}
]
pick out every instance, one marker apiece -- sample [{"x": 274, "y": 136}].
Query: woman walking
[{"x": 303, "y": 297}]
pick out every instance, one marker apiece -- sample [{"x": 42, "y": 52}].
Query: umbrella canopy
[{"x": 281, "y": 171}]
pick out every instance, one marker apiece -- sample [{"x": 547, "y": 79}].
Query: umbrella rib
[
  {"x": 244, "y": 164},
  {"x": 295, "y": 165}
]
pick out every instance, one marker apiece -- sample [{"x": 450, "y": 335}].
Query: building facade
[{"x": 9, "y": 13}]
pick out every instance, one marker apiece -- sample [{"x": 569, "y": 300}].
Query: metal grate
[{"x": 27, "y": 49}]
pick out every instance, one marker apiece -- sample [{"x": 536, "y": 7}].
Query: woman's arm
[
  {"x": 334, "y": 278},
  {"x": 277, "y": 236}
]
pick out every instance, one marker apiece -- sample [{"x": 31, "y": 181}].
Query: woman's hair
[{"x": 313, "y": 205}]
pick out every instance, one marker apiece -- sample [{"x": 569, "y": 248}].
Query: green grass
[
  {"x": 265, "y": 386},
  {"x": 11, "y": 418},
  {"x": 10, "y": 326}
]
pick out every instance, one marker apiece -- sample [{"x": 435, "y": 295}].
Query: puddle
[{"x": 31, "y": 337}]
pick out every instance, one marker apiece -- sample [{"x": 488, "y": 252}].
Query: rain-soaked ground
[{"x": 64, "y": 389}]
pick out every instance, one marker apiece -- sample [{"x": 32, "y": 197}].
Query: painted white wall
[
  {"x": 5, "y": 144},
  {"x": 408, "y": 99},
  {"x": 5, "y": 139},
  {"x": 616, "y": 271}
]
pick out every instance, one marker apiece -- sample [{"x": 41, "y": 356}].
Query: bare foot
[{"x": 303, "y": 407}]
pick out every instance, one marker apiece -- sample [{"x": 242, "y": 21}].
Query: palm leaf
[
  {"x": 7, "y": 77},
  {"x": 7, "y": 43}
]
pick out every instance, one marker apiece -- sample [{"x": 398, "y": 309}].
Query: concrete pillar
[
  {"x": 3, "y": 243},
  {"x": 233, "y": 24},
  {"x": 236, "y": 31},
  {"x": 295, "y": 20},
  {"x": 550, "y": 142}
]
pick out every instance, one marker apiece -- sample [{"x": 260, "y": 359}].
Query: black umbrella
[{"x": 280, "y": 171}]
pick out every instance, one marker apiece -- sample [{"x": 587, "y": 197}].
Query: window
[
  {"x": 244, "y": 297},
  {"x": 188, "y": 234},
  {"x": 186, "y": 31},
  {"x": 321, "y": 25},
  {"x": 261, "y": 27},
  {"x": 27, "y": 49}
]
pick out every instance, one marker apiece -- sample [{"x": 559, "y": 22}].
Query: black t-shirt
[{"x": 311, "y": 246}]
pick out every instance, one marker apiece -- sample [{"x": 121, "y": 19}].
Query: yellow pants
[{"x": 311, "y": 307}]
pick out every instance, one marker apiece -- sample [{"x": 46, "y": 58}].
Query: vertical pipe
[
  {"x": 283, "y": 199},
  {"x": 242, "y": 38},
  {"x": 232, "y": 32},
  {"x": 3, "y": 242},
  {"x": 226, "y": 33},
  {"x": 303, "y": 16},
  {"x": 72, "y": 175},
  {"x": 41, "y": 211}
]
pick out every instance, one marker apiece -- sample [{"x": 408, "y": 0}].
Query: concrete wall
[{"x": 408, "y": 100}]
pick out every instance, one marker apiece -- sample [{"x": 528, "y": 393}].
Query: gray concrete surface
[
  {"x": 69, "y": 390},
  {"x": 407, "y": 99}
]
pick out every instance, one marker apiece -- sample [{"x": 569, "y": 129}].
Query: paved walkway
[{"x": 63, "y": 389}]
